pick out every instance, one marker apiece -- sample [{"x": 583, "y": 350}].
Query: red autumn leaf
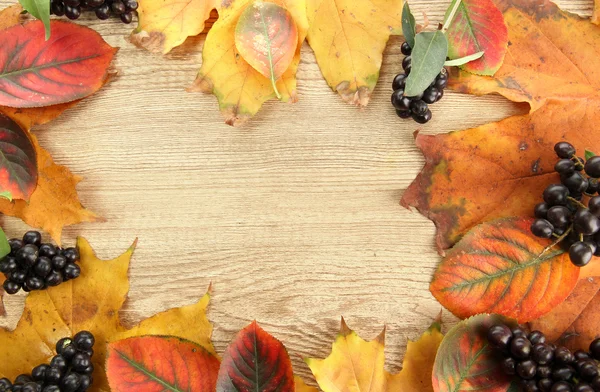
[
  {"x": 255, "y": 361},
  {"x": 498, "y": 267},
  {"x": 478, "y": 27},
  {"x": 159, "y": 363},
  {"x": 574, "y": 323},
  {"x": 34, "y": 72},
  {"x": 465, "y": 361},
  {"x": 18, "y": 161}
]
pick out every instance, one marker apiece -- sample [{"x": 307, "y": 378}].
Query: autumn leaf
[
  {"x": 18, "y": 161},
  {"x": 156, "y": 363},
  {"x": 501, "y": 169},
  {"x": 302, "y": 387},
  {"x": 30, "y": 80},
  {"x": 240, "y": 89},
  {"x": 478, "y": 26},
  {"x": 501, "y": 267},
  {"x": 596, "y": 14},
  {"x": 266, "y": 37},
  {"x": 418, "y": 363},
  {"x": 30, "y": 117},
  {"x": 74, "y": 306},
  {"x": 255, "y": 361},
  {"x": 348, "y": 38},
  {"x": 10, "y": 16},
  {"x": 165, "y": 24},
  {"x": 465, "y": 361}
]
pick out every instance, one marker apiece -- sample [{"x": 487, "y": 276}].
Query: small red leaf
[
  {"x": 33, "y": 72},
  {"x": 18, "y": 161},
  {"x": 465, "y": 361},
  {"x": 157, "y": 363},
  {"x": 255, "y": 361},
  {"x": 498, "y": 267}
]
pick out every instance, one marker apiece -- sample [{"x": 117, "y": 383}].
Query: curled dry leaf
[
  {"x": 73, "y": 306},
  {"x": 348, "y": 38},
  {"x": 158, "y": 363},
  {"x": 500, "y": 267},
  {"x": 28, "y": 79},
  {"x": 18, "y": 161},
  {"x": 240, "y": 89},
  {"x": 165, "y": 24},
  {"x": 255, "y": 361}
]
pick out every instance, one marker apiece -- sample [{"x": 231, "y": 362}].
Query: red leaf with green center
[
  {"x": 266, "y": 37},
  {"x": 499, "y": 267},
  {"x": 18, "y": 161},
  {"x": 255, "y": 361},
  {"x": 465, "y": 361},
  {"x": 34, "y": 72},
  {"x": 478, "y": 27},
  {"x": 158, "y": 363}
]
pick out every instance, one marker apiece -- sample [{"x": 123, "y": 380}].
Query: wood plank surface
[{"x": 294, "y": 218}]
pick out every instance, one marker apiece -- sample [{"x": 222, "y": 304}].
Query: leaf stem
[
  {"x": 274, "y": 82},
  {"x": 576, "y": 202},
  {"x": 451, "y": 16},
  {"x": 558, "y": 240}
]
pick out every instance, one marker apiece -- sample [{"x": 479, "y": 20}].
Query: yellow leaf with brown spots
[{"x": 91, "y": 302}]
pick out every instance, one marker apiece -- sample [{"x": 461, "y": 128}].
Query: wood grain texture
[{"x": 295, "y": 219}]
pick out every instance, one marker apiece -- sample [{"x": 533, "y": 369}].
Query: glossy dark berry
[
  {"x": 586, "y": 223},
  {"x": 31, "y": 387},
  {"x": 542, "y": 228},
  {"x": 397, "y": 102},
  {"x": 561, "y": 386},
  {"x": 596, "y": 383},
  {"x": 23, "y": 379},
  {"x": 565, "y": 166},
  {"x": 53, "y": 375},
  {"x": 419, "y": 107},
  {"x": 406, "y": 62},
  {"x": 594, "y": 205},
  {"x": 580, "y": 354},
  {"x": 430, "y": 95},
  {"x": 575, "y": 182},
  {"x": 33, "y": 237},
  {"x": 529, "y": 386},
  {"x": 8, "y": 265},
  {"x": 424, "y": 119},
  {"x": 84, "y": 340},
  {"x": 132, "y": 5},
  {"x": 59, "y": 262},
  {"x": 71, "y": 271},
  {"x": 89, "y": 370},
  {"x": 72, "y": 13},
  {"x": 85, "y": 383},
  {"x": 70, "y": 383},
  {"x": 509, "y": 366},
  {"x": 47, "y": 250},
  {"x": 43, "y": 266},
  {"x": 583, "y": 387},
  {"x": 526, "y": 369},
  {"x": 5, "y": 383},
  {"x": 588, "y": 370},
  {"x": 59, "y": 362},
  {"x": 103, "y": 12},
  {"x": 406, "y": 49},
  {"x": 404, "y": 113},
  {"x": 545, "y": 384},
  {"x": 562, "y": 373},
  {"x": 57, "y": 8},
  {"x": 541, "y": 210},
  {"x": 15, "y": 244},
  {"x": 80, "y": 362},
  {"x": 11, "y": 287},
  {"x": 39, "y": 372},
  {"x": 441, "y": 81},
  {"x": 592, "y": 167},
  {"x": 559, "y": 216},
  {"x": 595, "y": 349},
  {"x": 499, "y": 336},
  {"x": 542, "y": 353},
  {"x": 520, "y": 347},
  {"x": 54, "y": 278},
  {"x": 62, "y": 344},
  {"x": 27, "y": 256},
  {"x": 51, "y": 388},
  {"x": 563, "y": 355},
  {"x": 71, "y": 254},
  {"x": 399, "y": 82},
  {"x": 580, "y": 254},
  {"x": 34, "y": 283},
  {"x": 543, "y": 372},
  {"x": 536, "y": 337},
  {"x": 564, "y": 150},
  {"x": 556, "y": 194}
]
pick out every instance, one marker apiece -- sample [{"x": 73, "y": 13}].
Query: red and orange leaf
[
  {"x": 478, "y": 27},
  {"x": 54, "y": 204},
  {"x": 255, "y": 361},
  {"x": 498, "y": 267},
  {"x": 30, "y": 117},
  {"x": 34, "y": 72},
  {"x": 266, "y": 36},
  {"x": 18, "y": 161},
  {"x": 574, "y": 323},
  {"x": 465, "y": 361},
  {"x": 156, "y": 363}
]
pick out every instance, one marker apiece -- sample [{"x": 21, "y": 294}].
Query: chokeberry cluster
[
  {"x": 416, "y": 107},
  {"x": 72, "y": 9},
  {"x": 542, "y": 366},
  {"x": 33, "y": 265},
  {"x": 70, "y": 370},
  {"x": 564, "y": 214}
]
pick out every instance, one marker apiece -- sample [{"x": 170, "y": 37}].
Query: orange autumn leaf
[
  {"x": 302, "y": 387},
  {"x": 596, "y": 15},
  {"x": 74, "y": 306},
  {"x": 10, "y": 16}
]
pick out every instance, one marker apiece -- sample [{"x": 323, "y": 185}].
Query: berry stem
[
  {"x": 448, "y": 21},
  {"x": 557, "y": 241},
  {"x": 576, "y": 202},
  {"x": 578, "y": 161}
]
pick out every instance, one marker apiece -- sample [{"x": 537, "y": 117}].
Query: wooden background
[{"x": 295, "y": 218}]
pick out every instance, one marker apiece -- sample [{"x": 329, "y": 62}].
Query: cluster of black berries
[
  {"x": 32, "y": 265},
  {"x": 416, "y": 107},
  {"x": 544, "y": 367},
  {"x": 103, "y": 9},
  {"x": 69, "y": 371},
  {"x": 563, "y": 214}
]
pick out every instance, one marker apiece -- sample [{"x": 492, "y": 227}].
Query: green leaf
[
  {"x": 6, "y": 195},
  {"x": 4, "y": 246},
  {"x": 463, "y": 60},
  {"x": 428, "y": 57},
  {"x": 409, "y": 25},
  {"x": 589, "y": 154},
  {"x": 39, "y": 9}
]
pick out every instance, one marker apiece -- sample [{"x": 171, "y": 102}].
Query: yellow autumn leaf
[
  {"x": 348, "y": 38},
  {"x": 91, "y": 302},
  {"x": 418, "y": 363},
  {"x": 240, "y": 89},
  {"x": 165, "y": 24},
  {"x": 354, "y": 364},
  {"x": 596, "y": 15},
  {"x": 302, "y": 387}
]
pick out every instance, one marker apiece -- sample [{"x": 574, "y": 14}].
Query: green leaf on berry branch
[
  {"x": 478, "y": 27},
  {"x": 465, "y": 361},
  {"x": 18, "y": 161},
  {"x": 36, "y": 73},
  {"x": 39, "y": 9},
  {"x": 266, "y": 36},
  {"x": 409, "y": 25},
  {"x": 501, "y": 267},
  {"x": 463, "y": 60},
  {"x": 157, "y": 363},
  {"x": 428, "y": 57},
  {"x": 255, "y": 361},
  {"x": 501, "y": 169},
  {"x": 589, "y": 154}
]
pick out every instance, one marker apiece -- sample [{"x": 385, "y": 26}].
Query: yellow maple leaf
[
  {"x": 240, "y": 89},
  {"x": 165, "y": 24},
  {"x": 418, "y": 363},
  {"x": 302, "y": 387},
  {"x": 348, "y": 38},
  {"x": 91, "y": 302}
]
